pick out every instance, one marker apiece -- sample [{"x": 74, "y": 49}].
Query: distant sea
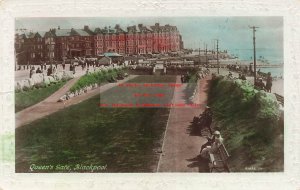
[{"x": 272, "y": 56}]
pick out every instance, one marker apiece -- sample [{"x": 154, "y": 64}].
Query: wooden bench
[
  {"x": 218, "y": 160},
  {"x": 280, "y": 99}
]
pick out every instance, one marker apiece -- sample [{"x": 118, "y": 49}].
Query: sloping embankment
[{"x": 250, "y": 123}]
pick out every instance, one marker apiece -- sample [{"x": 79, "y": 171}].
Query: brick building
[{"x": 57, "y": 44}]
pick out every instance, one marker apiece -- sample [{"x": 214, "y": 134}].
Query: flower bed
[{"x": 93, "y": 80}]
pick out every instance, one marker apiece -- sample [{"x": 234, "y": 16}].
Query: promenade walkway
[
  {"x": 24, "y": 74},
  {"x": 277, "y": 85},
  {"x": 181, "y": 147},
  {"x": 50, "y": 104}
]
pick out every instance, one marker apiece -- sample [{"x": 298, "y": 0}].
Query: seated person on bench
[
  {"x": 207, "y": 118},
  {"x": 213, "y": 148},
  {"x": 210, "y": 140}
]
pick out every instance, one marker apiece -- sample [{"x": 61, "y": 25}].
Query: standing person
[
  {"x": 250, "y": 69},
  {"x": 63, "y": 64},
  {"x": 82, "y": 65},
  {"x": 269, "y": 82},
  {"x": 74, "y": 69},
  {"x": 182, "y": 78},
  {"x": 243, "y": 77},
  {"x": 49, "y": 70},
  {"x": 39, "y": 70},
  {"x": 240, "y": 76},
  {"x": 71, "y": 67},
  {"x": 31, "y": 72}
]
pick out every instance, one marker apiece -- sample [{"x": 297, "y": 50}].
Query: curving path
[
  {"x": 180, "y": 146},
  {"x": 50, "y": 104}
]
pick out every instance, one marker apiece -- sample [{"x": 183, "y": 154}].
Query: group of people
[
  {"x": 202, "y": 73},
  {"x": 215, "y": 140},
  {"x": 244, "y": 70},
  {"x": 33, "y": 71},
  {"x": 259, "y": 84},
  {"x": 186, "y": 77}
]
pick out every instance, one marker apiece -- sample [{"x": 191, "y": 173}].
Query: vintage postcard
[
  {"x": 166, "y": 95},
  {"x": 135, "y": 95}
]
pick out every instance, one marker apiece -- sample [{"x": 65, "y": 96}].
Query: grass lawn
[
  {"x": 124, "y": 139},
  {"x": 28, "y": 98}
]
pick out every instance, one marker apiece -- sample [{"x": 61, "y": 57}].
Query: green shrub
[
  {"x": 92, "y": 78},
  {"x": 192, "y": 83},
  {"x": 248, "y": 120}
]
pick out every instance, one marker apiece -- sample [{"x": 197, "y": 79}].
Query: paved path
[
  {"x": 50, "y": 104},
  {"x": 181, "y": 147}
]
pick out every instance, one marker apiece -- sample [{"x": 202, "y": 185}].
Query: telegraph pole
[
  {"x": 218, "y": 56},
  {"x": 199, "y": 55},
  {"x": 254, "y": 50},
  {"x": 206, "y": 54}
]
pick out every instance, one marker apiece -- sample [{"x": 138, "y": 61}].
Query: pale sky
[{"x": 233, "y": 33}]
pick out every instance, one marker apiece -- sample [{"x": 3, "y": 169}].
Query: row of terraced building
[{"x": 57, "y": 43}]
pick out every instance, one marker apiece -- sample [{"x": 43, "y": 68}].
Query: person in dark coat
[
  {"x": 260, "y": 85},
  {"x": 39, "y": 70},
  {"x": 32, "y": 71},
  {"x": 269, "y": 82},
  {"x": 63, "y": 64},
  {"x": 49, "y": 70}
]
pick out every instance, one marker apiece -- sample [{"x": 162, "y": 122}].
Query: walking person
[{"x": 54, "y": 69}]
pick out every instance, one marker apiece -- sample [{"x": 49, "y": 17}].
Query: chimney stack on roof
[{"x": 86, "y": 27}]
